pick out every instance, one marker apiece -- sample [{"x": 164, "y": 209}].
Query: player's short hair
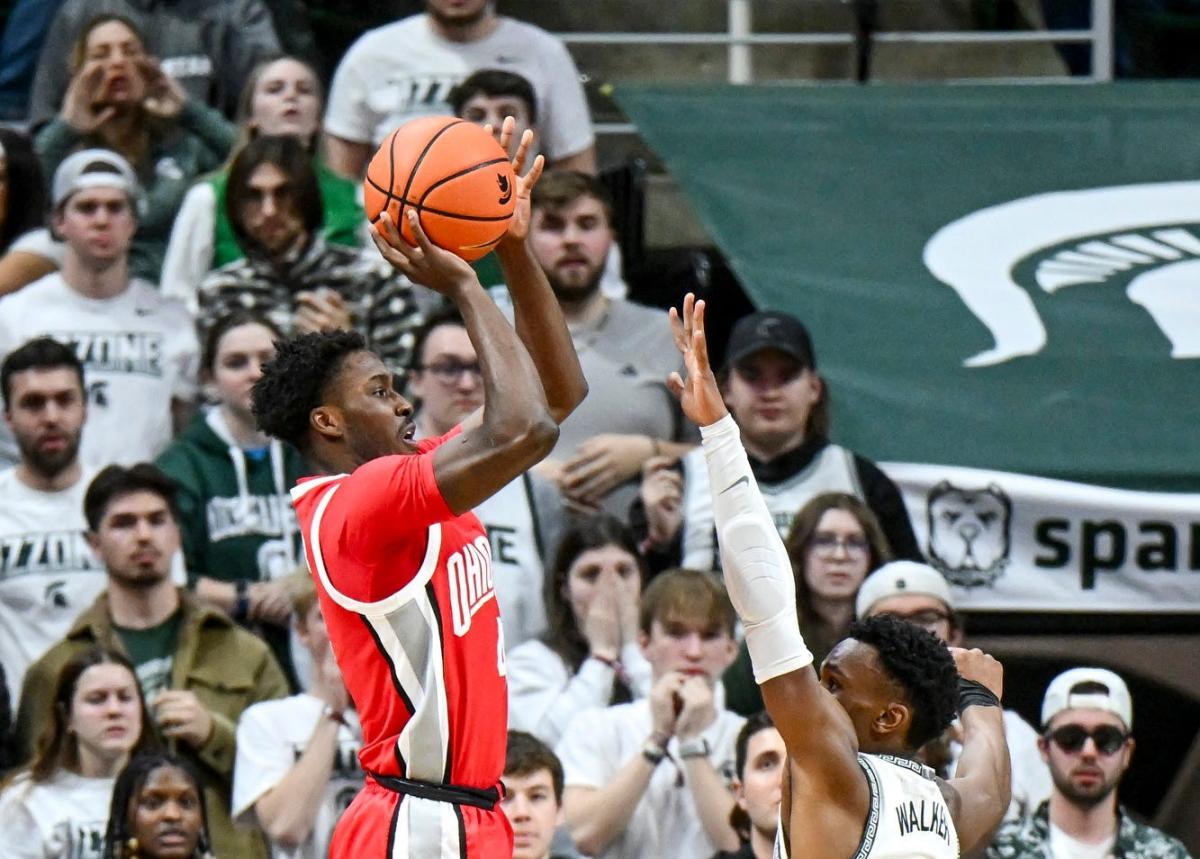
[
  {"x": 448, "y": 315},
  {"x": 294, "y": 382},
  {"x": 287, "y": 153},
  {"x": 228, "y": 322},
  {"x": 40, "y": 353},
  {"x": 494, "y": 83},
  {"x": 686, "y": 594},
  {"x": 527, "y": 755},
  {"x": 117, "y": 481},
  {"x": 920, "y": 663},
  {"x": 558, "y": 189}
]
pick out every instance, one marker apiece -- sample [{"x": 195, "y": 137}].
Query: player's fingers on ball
[{"x": 423, "y": 244}]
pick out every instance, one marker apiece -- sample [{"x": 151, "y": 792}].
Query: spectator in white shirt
[
  {"x": 58, "y": 805},
  {"x": 651, "y": 778},
  {"x": 589, "y": 657}
]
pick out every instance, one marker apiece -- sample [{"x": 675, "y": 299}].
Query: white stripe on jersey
[
  {"x": 433, "y": 548},
  {"x": 428, "y": 829}
]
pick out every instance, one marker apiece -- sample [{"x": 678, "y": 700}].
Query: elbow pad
[{"x": 758, "y": 572}]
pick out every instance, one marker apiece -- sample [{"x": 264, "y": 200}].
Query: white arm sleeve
[{"x": 758, "y": 572}]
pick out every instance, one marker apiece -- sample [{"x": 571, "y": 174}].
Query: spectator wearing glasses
[
  {"x": 1087, "y": 717},
  {"x": 919, "y": 594},
  {"x": 834, "y": 542},
  {"x": 290, "y": 273},
  {"x": 525, "y": 519},
  {"x": 771, "y": 386}
]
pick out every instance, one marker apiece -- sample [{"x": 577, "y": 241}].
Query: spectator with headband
[
  {"x": 919, "y": 594},
  {"x": 771, "y": 386},
  {"x": 138, "y": 350},
  {"x": 1087, "y": 741}
]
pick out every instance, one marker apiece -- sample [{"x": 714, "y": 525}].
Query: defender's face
[
  {"x": 772, "y": 395},
  {"x": 373, "y": 419},
  {"x": 854, "y": 676}
]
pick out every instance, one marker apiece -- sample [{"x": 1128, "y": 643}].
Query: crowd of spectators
[{"x": 184, "y": 195}]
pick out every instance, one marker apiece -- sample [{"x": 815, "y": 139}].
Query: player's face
[
  {"x": 448, "y": 382},
  {"x": 532, "y": 810},
  {"x": 457, "y": 12},
  {"x": 286, "y": 100},
  {"x": 597, "y": 570},
  {"x": 166, "y": 816},
  {"x": 106, "y": 713},
  {"x": 837, "y": 558},
  {"x": 571, "y": 244},
  {"x": 925, "y": 611},
  {"x": 691, "y": 646},
  {"x": 136, "y": 539},
  {"x": 760, "y": 788},
  {"x": 46, "y": 414},
  {"x": 854, "y": 676},
  {"x": 374, "y": 419},
  {"x": 1088, "y": 775},
  {"x": 269, "y": 213},
  {"x": 118, "y": 49},
  {"x": 492, "y": 109},
  {"x": 238, "y": 365},
  {"x": 772, "y": 395},
  {"x": 97, "y": 224}
]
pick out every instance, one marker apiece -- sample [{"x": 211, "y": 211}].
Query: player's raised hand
[
  {"x": 518, "y": 226},
  {"x": 698, "y": 394},
  {"x": 424, "y": 263},
  {"x": 976, "y": 665}
]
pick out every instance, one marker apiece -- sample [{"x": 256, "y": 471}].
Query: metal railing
[{"x": 740, "y": 40}]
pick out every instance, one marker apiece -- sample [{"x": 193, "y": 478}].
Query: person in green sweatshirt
[{"x": 240, "y": 537}]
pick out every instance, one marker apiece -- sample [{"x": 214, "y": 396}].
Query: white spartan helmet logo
[{"x": 1128, "y": 229}]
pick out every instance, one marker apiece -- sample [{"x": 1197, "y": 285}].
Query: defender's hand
[
  {"x": 699, "y": 395},
  {"x": 976, "y": 665}
]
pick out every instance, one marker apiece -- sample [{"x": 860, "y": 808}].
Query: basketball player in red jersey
[{"x": 403, "y": 568}]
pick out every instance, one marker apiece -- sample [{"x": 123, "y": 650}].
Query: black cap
[{"x": 770, "y": 330}]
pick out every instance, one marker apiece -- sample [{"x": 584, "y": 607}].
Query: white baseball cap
[
  {"x": 901, "y": 577},
  {"x": 94, "y": 168},
  {"x": 1060, "y": 695}
]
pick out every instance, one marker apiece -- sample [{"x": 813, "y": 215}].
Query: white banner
[{"x": 1011, "y": 542}]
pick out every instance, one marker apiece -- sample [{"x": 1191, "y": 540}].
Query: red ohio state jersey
[{"x": 405, "y": 587}]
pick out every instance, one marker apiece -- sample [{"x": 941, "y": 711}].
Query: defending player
[
  {"x": 850, "y": 788},
  {"x": 402, "y": 566}
]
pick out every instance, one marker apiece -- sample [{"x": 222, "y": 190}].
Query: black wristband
[
  {"x": 241, "y": 602},
  {"x": 971, "y": 693}
]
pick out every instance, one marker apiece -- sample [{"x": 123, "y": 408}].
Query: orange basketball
[{"x": 453, "y": 174}]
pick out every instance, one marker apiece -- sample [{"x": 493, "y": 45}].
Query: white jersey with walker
[{"x": 908, "y": 817}]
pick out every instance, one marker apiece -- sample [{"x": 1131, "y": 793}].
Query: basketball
[{"x": 453, "y": 174}]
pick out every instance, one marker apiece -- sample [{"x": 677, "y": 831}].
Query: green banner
[{"x": 997, "y": 277}]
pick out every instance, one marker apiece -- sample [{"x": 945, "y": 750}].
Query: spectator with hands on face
[{"x": 120, "y": 98}]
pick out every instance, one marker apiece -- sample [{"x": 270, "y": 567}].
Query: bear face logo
[
  {"x": 505, "y": 188},
  {"x": 969, "y": 533}
]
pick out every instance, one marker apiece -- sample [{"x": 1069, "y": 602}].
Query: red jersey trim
[{"x": 433, "y": 548}]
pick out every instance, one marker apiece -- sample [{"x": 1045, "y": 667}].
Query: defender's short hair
[
  {"x": 294, "y": 382},
  {"x": 922, "y": 666},
  {"x": 40, "y": 353}
]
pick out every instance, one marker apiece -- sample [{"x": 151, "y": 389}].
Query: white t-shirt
[
  {"x": 271, "y": 737},
  {"x": 40, "y": 242},
  {"x": 405, "y": 70},
  {"x": 543, "y": 696},
  {"x": 64, "y": 817},
  {"x": 48, "y": 574},
  {"x": 666, "y": 823},
  {"x": 139, "y": 351},
  {"x": 1063, "y": 846}
]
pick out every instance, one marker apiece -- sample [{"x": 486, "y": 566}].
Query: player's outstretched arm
[
  {"x": 514, "y": 430},
  {"x": 982, "y": 787},
  {"x": 538, "y": 316},
  {"x": 758, "y": 575}
]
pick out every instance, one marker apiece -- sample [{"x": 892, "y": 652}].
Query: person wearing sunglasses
[
  {"x": 1087, "y": 741},
  {"x": 920, "y": 595}
]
